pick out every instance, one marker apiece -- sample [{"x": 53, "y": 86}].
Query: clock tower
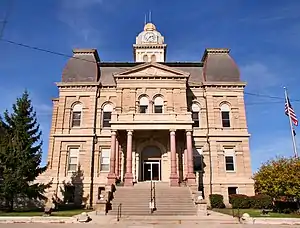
[{"x": 149, "y": 46}]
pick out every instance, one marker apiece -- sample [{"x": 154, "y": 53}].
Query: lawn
[
  {"x": 255, "y": 213},
  {"x": 66, "y": 213}
]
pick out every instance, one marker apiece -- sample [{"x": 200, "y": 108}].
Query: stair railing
[
  {"x": 152, "y": 204},
  {"x": 154, "y": 197},
  {"x": 119, "y": 212},
  {"x": 151, "y": 197}
]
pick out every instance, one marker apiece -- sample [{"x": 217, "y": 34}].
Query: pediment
[{"x": 152, "y": 70}]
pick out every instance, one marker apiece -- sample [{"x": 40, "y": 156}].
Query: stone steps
[{"x": 169, "y": 200}]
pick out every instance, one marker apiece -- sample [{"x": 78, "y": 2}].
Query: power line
[
  {"x": 268, "y": 96},
  {"x": 51, "y": 52},
  {"x": 91, "y": 61},
  {"x": 7, "y": 14}
]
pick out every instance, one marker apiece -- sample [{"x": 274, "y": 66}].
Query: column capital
[
  {"x": 172, "y": 131},
  {"x": 113, "y": 132},
  {"x": 129, "y": 132},
  {"x": 188, "y": 132}
]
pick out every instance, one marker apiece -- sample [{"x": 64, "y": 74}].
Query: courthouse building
[{"x": 178, "y": 122}]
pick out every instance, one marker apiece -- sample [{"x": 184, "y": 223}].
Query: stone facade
[{"x": 174, "y": 122}]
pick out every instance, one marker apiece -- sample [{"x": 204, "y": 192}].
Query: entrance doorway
[{"x": 151, "y": 170}]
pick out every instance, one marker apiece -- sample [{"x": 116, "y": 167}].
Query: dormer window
[
  {"x": 158, "y": 105},
  {"x": 144, "y": 103}
]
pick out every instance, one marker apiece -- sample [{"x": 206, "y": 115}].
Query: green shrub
[
  {"x": 285, "y": 207},
  {"x": 239, "y": 201},
  {"x": 261, "y": 201},
  {"x": 216, "y": 201}
]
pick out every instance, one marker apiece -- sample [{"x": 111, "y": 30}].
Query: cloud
[
  {"x": 259, "y": 76},
  {"x": 76, "y": 14},
  {"x": 270, "y": 148}
]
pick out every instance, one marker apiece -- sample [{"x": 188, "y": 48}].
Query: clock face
[{"x": 150, "y": 37}]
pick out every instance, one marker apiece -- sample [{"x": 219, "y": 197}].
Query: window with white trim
[
  {"x": 225, "y": 115},
  {"x": 104, "y": 159},
  {"x": 144, "y": 103},
  {"x": 229, "y": 160},
  {"x": 195, "y": 115},
  {"x": 73, "y": 159},
  {"x": 158, "y": 105},
  {"x": 76, "y": 115},
  {"x": 106, "y": 115}
]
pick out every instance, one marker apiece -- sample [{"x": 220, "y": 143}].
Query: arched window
[
  {"x": 145, "y": 58},
  {"x": 225, "y": 114},
  {"x": 153, "y": 58},
  {"x": 144, "y": 103},
  {"x": 106, "y": 117},
  {"x": 158, "y": 105},
  {"x": 195, "y": 115},
  {"x": 76, "y": 115}
]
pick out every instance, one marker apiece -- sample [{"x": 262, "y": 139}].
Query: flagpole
[{"x": 291, "y": 125}]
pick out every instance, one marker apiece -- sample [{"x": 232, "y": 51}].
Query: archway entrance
[{"x": 151, "y": 163}]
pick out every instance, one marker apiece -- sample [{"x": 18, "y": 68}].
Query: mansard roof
[{"x": 216, "y": 65}]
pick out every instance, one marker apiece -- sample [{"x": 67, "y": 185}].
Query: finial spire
[
  {"x": 150, "y": 16},
  {"x": 145, "y": 19}
]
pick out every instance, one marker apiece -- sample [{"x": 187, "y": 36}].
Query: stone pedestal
[
  {"x": 174, "y": 180},
  {"x": 201, "y": 207},
  {"x": 128, "y": 179},
  {"x": 100, "y": 207},
  {"x": 111, "y": 178}
]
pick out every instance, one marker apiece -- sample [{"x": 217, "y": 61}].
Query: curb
[
  {"x": 272, "y": 221},
  {"x": 7, "y": 219}
]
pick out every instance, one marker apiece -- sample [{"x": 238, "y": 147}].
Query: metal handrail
[
  {"x": 154, "y": 197},
  {"x": 119, "y": 212},
  {"x": 151, "y": 197}
]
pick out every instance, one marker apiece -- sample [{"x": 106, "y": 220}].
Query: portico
[{"x": 151, "y": 155}]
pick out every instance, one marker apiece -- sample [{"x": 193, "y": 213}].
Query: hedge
[
  {"x": 261, "y": 201},
  {"x": 257, "y": 202},
  {"x": 239, "y": 201},
  {"x": 216, "y": 201}
]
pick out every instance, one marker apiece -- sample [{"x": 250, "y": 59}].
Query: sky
[{"x": 263, "y": 37}]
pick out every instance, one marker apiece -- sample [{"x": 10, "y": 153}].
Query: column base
[
  {"x": 128, "y": 179},
  {"x": 191, "y": 179},
  {"x": 174, "y": 180},
  {"x": 111, "y": 178}
]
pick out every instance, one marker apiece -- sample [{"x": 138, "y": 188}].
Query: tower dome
[{"x": 149, "y": 27}]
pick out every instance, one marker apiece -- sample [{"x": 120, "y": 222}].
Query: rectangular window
[
  {"x": 73, "y": 159},
  {"x": 143, "y": 108},
  {"x": 104, "y": 160},
  {"x": 106, "y": 119},
  {"x": 229, "y": 160},
  {"x": 232, "y": 190},
  {"x": 76, "y": 119},
  {"x": 195, "y": 118},
  {"x": 158, "y": 108},
  {"x": 225, "y": 119},
  {"x": 198, "y": 160}
]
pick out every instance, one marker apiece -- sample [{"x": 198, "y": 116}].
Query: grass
[
  {"x": 256, "y": 213},
  {"x": 65, "y": 213}
]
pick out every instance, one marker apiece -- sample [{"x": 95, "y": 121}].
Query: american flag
[{"x": 289, "y": 111}]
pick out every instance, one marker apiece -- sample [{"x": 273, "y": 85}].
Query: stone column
[
  {"x": 173, "y": 177},
  {"x": 128, "y": 175},
  {"x": 191, "y": 179},
  {"x": 117, "y": 159},
  {"x": 112, "y": 175}
]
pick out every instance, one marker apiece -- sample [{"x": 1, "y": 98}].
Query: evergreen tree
[{"x": 21, "y": 153}]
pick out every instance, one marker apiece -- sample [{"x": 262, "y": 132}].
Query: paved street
[{"x": 208, "y": 225}]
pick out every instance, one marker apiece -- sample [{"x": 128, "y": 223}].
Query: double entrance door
[{"x": 151, "y": 170}]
